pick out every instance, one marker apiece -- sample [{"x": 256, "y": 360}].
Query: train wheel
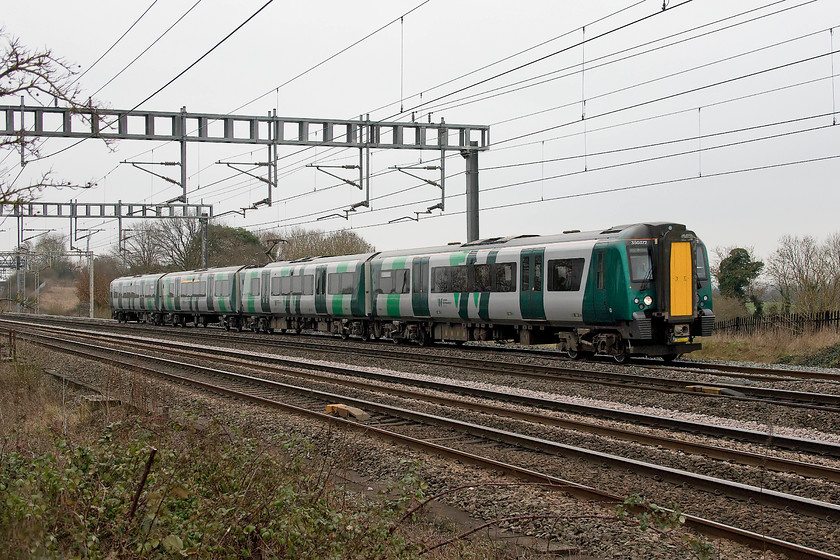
[
  {"x": 578, "y": 354},
  {"x": 423, "y": 337},
  {"x": 377, "y": 330},
  {"x": 227, "y": 325},
  {"x": 669, "y": 358},
  {"x": 621, "y": 358}
]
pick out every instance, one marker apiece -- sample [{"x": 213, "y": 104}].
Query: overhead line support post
[
  {"x": 205, "y": 245},
  {"x": 182, "y": 120},
  {"x": 471, "y": 155}
]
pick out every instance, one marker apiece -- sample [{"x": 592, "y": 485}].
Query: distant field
[
  {"x": 58, "y": 299},
  {"x": 813, "y": 349}
]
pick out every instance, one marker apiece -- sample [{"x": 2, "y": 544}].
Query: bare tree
[
  {"x": 298, "y": 243},
  {"x": 176, "y": 237},
  {"x": 50, "y": 252},
  {"x": 806, "y": 273},
  {"x": 47, "y": 79},
  {"x": 143, "y": 249}
]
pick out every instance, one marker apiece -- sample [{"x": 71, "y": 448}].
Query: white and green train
[{"x": 639, "y": 289}]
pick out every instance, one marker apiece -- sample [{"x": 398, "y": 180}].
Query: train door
[
  {"x": 321, "y": 289},
  {"x": 601, "y": 311},
  {"x": 682, "y": 284},
  {"x": 531, "y": 286},
  {"x": 265, "y": 290},
  {"x": 209, "y": 293},
  {"x": 420, "y": 286}
]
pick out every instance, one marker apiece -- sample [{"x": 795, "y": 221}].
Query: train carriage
[
  {"x": 637, "y": 289},
  {"x": 135, "y": 298}
]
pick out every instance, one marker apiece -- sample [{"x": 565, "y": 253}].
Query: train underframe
[{"x": 643, "y": 336}]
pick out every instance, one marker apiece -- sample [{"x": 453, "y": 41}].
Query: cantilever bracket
[
  {"x": 416, "y": 218},
  {"x": 322, "y": 169},
  {"x": 346, "y": 215},
  {"x": 248, "y": 173},
  {"x": 137, "y": 165}
]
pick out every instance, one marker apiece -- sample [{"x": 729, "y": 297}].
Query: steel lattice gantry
[
  {"x": 62, "y": 122},
  {"x": 271, "y": 131}
]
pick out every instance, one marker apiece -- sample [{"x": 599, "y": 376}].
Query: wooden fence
[{"x": 796, "y": 323}]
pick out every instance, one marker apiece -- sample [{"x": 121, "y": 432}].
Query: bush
[{"x": 205, "y": 497}]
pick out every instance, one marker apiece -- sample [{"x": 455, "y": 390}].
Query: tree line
[
  {"x": 167, "y": 245},
  {"x": 801, "y": 275}
]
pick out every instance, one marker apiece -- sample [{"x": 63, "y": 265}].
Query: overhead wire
[
  {"x": 618, "y": 165},
  {"x": 496, "y": 92},
  {"x": 635, "y": 47},
  {"x": 670, "y": 96},
  {"x": 144, "y": 51},
  {"x": 543, "y": 57},
  {"x": 171, "y": 81},
  {"x": 624, "y": 50},
  {"x": 121, "y": 37}
]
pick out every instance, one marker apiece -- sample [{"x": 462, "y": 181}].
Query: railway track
[
  {"x": 828, "y": 402},
  {"x": 236, "y": 356},
  {"x": 309, "y": 400}
]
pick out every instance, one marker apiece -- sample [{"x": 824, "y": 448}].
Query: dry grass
[
  {"x": 59, "y": 299},
  {"x": 49, "y": 441},
  {"x": 767, "y": 347}
]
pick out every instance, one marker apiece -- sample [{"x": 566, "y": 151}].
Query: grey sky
[{"x": 444, "y": 40}]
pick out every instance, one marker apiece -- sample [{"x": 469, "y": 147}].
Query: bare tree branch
[{"x": 47, "y": 79}]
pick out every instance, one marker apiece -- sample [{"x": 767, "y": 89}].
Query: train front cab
[{"x": 682, "y": 309}]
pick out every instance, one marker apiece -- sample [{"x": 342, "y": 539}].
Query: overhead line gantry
[{"x": 270, "y": 130}]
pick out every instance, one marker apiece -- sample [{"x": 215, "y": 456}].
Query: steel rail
[
  {"x": 806, "y": 506},
  {"x": 752, "y": 436},
  {"x": 749, "y": 538},
  {"x": 746, "y": 458},
  {"x": 795, "y": 399}
]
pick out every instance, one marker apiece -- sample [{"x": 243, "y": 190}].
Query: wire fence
[{"x": 794, "y": 323}]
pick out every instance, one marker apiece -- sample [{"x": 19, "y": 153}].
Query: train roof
[{"x": 649, "y": 230}]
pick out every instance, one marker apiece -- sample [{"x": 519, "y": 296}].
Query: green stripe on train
[
  {"x": 337, "y": 305},
  {"x": 392, "y": 306}
]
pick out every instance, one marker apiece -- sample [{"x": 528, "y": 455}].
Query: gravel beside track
[{"x": 494, "y": 503}]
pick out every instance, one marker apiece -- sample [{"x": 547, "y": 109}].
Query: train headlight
[
  {"x": 648, "y": 301},
  {"x": 636, "y": 301},
  {"x": 706, "y": 298}
]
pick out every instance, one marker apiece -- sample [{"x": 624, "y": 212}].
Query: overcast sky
[{"x": 732, "y": 94}]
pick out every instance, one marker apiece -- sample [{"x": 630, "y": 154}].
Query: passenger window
[
  {"x": 481, "y": 278},
  {"x": 385, "y": 285},
  {"x": 255, "y": 287},
  {"x": 275, "y": 286},
  {"x": 440, "y": 280},
  {"x": 564, "y": 275},
  {"x": 341, "y": 283},
  {"x": 308, "y": 284},
  {"x": 459, "y": 278},
  {"x": 504, "y": 277},
  {"x": 538, "y": 273}
]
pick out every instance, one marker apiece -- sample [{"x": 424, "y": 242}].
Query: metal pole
[
  {"x": 90, "y": 273},
  {"x": 471, "y": 156},
  {"x": 17, "y": 262},
  {"x": 205, "y": 249},
  {"x": 184, "y": 153}
]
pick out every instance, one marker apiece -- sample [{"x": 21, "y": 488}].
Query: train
[{"x": 630, "y": 290}]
